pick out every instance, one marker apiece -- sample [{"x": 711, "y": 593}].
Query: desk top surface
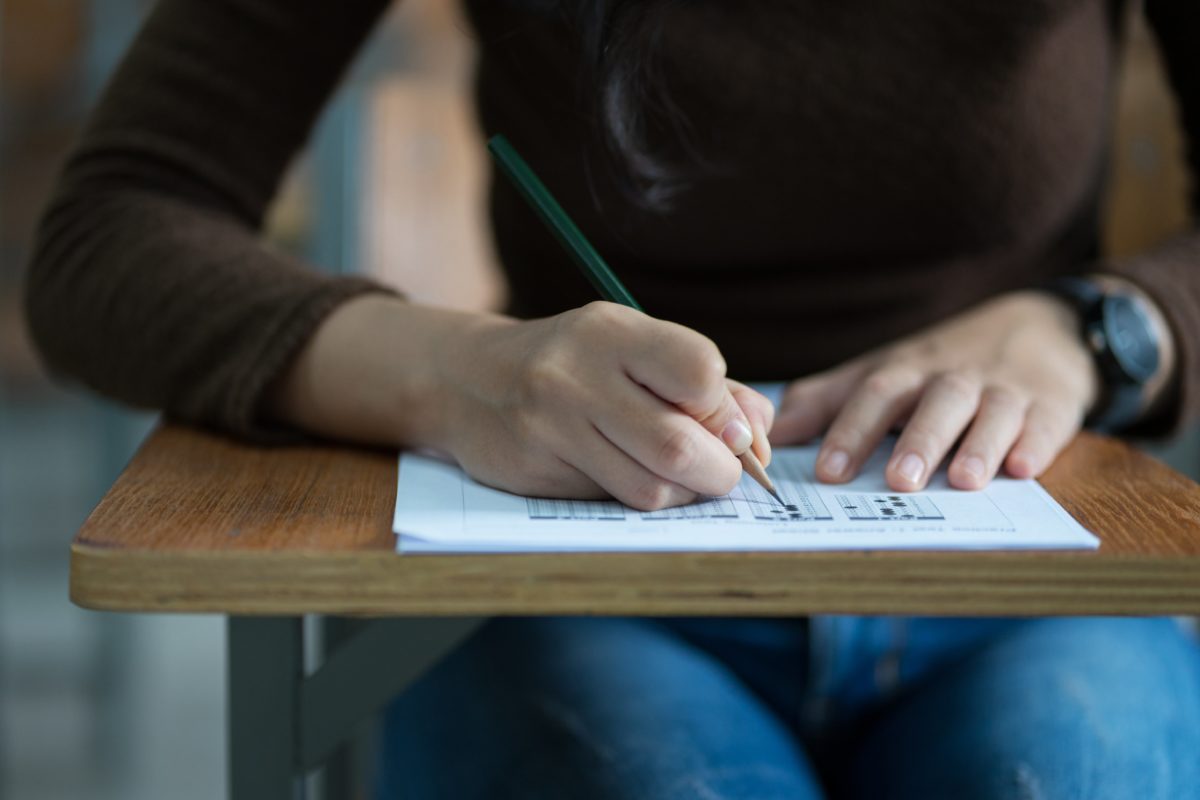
[{"x": 202, "y": 523}]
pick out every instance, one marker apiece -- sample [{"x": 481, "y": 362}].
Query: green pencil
[
  {"x": 598, "y": 273},
  {"x": 561, "y": 225}
]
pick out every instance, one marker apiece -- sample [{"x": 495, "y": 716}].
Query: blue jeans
[{"x": 838, "y": 707}]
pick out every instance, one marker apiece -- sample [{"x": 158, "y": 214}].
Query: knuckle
[
  {"x": 798, "y": 393},
  {"x": 1003, "y": 398},
  {"x": 960, "y": 384},
  {"x": 892, "y": 380},
  {"x": 925, "y": 440},
  {"x": 600, "y": 311},
  {"x": 704, "y": 367},
  {"x": 1042, "y": 412},
  {"x": 598, "y": 314},
  {"x": 807, "y": 401},
  {"x": 713, "y": 366},
  {"x": 569, "y": 322},
  {"x": 678, "y": 452},
  {"x": 919, "y": 436}
]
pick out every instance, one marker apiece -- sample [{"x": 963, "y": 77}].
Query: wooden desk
[{"x": 200, "y": 523}]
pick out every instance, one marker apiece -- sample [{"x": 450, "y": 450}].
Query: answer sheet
[{"x": 441, "y": 510}]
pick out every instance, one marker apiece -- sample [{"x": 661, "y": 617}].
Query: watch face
[{"x": 1130, "y": 337}]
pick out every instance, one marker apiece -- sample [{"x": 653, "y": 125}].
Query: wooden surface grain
[{"x": 202, "y": 523}]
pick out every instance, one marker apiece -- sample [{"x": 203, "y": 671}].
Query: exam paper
[{"x": 441, "y": 510}]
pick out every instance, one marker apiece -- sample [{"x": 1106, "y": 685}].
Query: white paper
[{"x": 440, "y": 509}]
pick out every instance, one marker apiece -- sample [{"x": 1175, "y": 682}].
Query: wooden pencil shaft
[{"x": 754, "y": 467}]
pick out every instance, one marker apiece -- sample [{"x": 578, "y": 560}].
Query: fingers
[
  {"x": 729, "y": 423},
  {"x": 882, "y": 397},
  {"x": 676, "y": 415},
  {"x": 680, "y": 419},
  {"x": 1003, "y": 426},
  {"x": 1048, "y": 428},
  {"x": 997, "y": 424},
  {"x": 673, "y": 369},
  {"x": 665, "y": 441},
  {"x": 947, "y": 404},
  {"x": 678, "y": 364},
  {"x": 623, "y": 477},
  {"x": 761, "y": 413},
  {"x": 810, "y": 404},
  {"x": 685, "y": 369}
]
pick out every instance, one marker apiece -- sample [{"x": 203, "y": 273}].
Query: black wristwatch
[{"x": 1118, "y": 332}]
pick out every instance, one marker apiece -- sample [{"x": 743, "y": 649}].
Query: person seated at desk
[{"x": 866, "y": 199}]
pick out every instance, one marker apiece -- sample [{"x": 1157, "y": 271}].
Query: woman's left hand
[{"x": 1012, "y": 377}]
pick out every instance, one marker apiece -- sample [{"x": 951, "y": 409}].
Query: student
[{"x": 870, "y": 199}]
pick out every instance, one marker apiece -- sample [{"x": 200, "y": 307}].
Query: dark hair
[{"x": 622, "y": 44}]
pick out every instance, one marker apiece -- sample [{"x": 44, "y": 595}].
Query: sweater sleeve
[
  {"x": 148, "y": 281},
  {"x": 1171, "y": 273}
]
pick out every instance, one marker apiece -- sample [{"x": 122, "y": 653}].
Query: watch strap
[{"x": 1120, "y": 400}]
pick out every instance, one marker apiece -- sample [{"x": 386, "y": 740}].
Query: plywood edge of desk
[{"x": 381, "y": 583}]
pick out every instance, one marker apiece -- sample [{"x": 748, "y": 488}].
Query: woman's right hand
[{"x": 597, "y": 401}]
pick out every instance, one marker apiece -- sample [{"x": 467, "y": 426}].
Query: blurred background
[{"x": 131, "y": 707}]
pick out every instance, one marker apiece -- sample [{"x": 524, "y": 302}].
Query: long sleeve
[
  {"x": 1171, "y": 273},
  {"x": 149, "y": 282}
]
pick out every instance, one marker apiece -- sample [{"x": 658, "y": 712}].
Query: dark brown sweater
[{"x": 871, "y": 168}]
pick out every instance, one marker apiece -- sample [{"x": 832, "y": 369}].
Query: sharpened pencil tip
[{"x": 755, "y": 469}]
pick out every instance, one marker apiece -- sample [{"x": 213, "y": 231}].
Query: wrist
[
  {"x": 371, "y": 373},
  {"x": 1067, "y": 323},
  {"x": 464, "y": 374},
  {"x": 1160, "y": 387},
  {"x": 1128, "y": 340}
]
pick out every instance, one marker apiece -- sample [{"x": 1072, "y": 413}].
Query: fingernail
[
  {"x": 835, "y": 463},
  {"x": 973, "y": 466},
  {"x": 738, "y": 436},
  {"x": 911, "y": 468}
]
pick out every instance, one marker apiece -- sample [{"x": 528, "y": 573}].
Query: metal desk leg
[
  {"x": 283, "y": 724},
  {"x": 265, "y": 671},
  {"x": 366, "y": 662},
  {"x": 340, "y": 778}
]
